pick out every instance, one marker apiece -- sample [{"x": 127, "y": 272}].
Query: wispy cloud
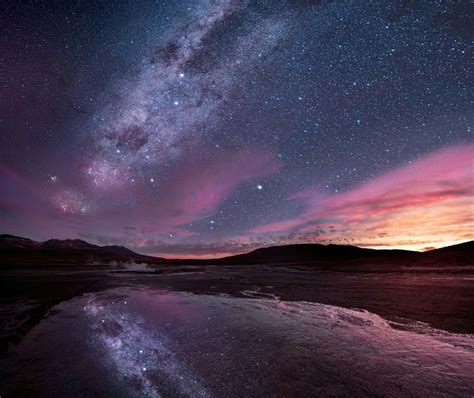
[{"x": 427, "y": 201}]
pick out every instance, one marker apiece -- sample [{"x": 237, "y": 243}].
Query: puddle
[{"x": 132, "y": 343}]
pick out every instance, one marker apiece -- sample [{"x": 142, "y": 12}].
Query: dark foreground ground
[{"x": 414, "y": 301}]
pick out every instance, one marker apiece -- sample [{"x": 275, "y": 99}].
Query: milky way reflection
[
  {"x": 139, "y": 354},
  {"x": 154, "y": 343}
]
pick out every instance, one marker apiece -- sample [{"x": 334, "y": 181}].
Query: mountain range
[
  {"x": 12, "y": 247},
  {"x": 15, "y": 248}
]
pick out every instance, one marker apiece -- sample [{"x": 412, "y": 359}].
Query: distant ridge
[
  {"x": 460, "y": 247},
  {"x": 76, "y": 244},
  {"x": 16, "y": 246},
  {"x": 17, "y": 242},
  {"x": 11, "y": 245},
  {"x": 12, "y": 241},
  {"x": 311, "y": 251},
  {"x": 318, "y": 254}
]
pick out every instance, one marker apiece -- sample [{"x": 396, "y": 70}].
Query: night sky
[{"x": 205, "y": 128}]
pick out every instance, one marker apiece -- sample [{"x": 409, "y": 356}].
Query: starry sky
[{"x": 207, "y": 128}]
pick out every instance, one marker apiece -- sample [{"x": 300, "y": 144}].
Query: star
[{"x": 218, "y": 99}]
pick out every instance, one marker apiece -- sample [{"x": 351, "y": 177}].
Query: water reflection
[{"x": 129, "y": 342}]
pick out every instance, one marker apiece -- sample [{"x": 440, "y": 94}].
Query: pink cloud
[
  {"x": 430, "y": 199},
  {"x": 194, "y": 191},
  {"x": 198, "y": 187}
]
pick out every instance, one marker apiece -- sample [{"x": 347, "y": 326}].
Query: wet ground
[{"x": 243, "y": 331}]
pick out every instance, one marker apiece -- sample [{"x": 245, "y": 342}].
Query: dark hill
[
  {"x": 345, "y": 255},
  {"x": 74, "y": 244},
  {"x": 17, "y": 242},
  {"x": 310, "y": 252},
  {"x": 461, "y": 254},
  {"x": 17, "y": 250}
]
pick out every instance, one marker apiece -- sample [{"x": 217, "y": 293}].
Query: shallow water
[{"x": 147, "y": 342}]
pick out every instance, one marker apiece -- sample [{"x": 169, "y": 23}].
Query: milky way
[
  {"x": 175, "y": 93},
  {"x": 213, "y": 127}
]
